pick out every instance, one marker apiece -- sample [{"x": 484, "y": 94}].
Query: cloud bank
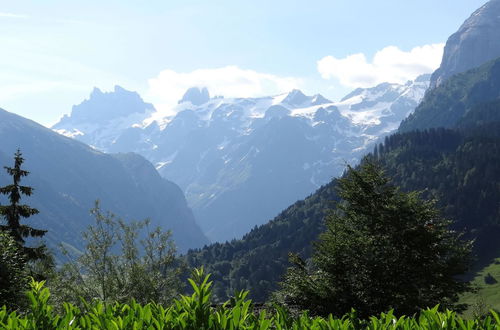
[
  {"x": 390, "y": 64},
  {"x": 229, "y": 81}
]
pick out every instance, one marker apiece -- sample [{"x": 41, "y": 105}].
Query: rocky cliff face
[{"x": 476, "y": 42}]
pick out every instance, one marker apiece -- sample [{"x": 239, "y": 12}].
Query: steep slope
[
  {"x": 69, "y": 176},
  {"x": 475, "y": 43},
  {"x": 229, "y": 155},
  {"x": 453, "y": 99}
]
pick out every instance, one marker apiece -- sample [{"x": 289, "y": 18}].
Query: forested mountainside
[
  {"x": 460, "y": 166},
  {"x": 446, "y": 105},
  {"x": 68, "y": 176}
]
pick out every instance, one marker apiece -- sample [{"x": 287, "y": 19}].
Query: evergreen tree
[
  {"x": 13, "y": 277},
  {"x": 383, "y": 249},
  {"x": 14, "y": 211}
]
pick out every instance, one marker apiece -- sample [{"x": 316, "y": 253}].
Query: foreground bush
[
  {"x": 382, "y": 249},
  {"x": 195, "y": 312}
]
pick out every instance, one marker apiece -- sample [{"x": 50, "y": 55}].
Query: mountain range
[{"x": 230, "y": 154}]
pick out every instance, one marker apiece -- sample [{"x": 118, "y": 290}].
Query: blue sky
[{"x": 54, "y": 52}]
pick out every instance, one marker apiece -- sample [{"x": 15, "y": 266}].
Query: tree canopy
[
  {"x": 383, "y": 249},
  {"x": 122, "y": 260}
]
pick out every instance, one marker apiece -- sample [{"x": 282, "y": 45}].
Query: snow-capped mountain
[
  {"x": 242, "y": 160},
  {"x": 101, "y": 119}
]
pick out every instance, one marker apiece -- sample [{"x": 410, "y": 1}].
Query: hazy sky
[{"x": 54, "y": 52}]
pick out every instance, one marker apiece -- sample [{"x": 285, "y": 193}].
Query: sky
[{"x": 53, "y": 53}]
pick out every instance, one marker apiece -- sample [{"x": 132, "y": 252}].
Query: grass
[{"x": 487, "y": 282}]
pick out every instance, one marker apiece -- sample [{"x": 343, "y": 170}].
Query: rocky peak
[
  {"x": 319, "y": 99},
  {"x": 475, "y": 43},
  {"x": 196, "y": 95},
  {"x": 102, "y": 107},
  {"x": 295, "y": 98}
]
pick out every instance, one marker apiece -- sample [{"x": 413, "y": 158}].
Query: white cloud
[
  {"x": 390, "y": 64},
  {"x": 10, "y": 15},
  {"x": 229, "y": 81}
]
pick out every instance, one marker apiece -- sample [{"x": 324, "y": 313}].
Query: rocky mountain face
[
  {"x": 95, "y": 120},
  {"x": 475, "y": 43},
  {"x": 242, "y": 160},
  {"x": 68, "y": 176}
]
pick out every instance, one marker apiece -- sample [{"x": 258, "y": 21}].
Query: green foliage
[
  {"x": 194, "y": 312},
  {"x": 446, "y": 105},
  {"x": 121, "y": 261},
  {"x": 383, "y": 249},
  {"x": 259, "y": 259},
  {"x": 461, "y": 169},
  {"x": 18, "y": 261},
  {"x": 13, "y": 277},
  {"x": 14, "y": 211},
  {"x": 487, "y": 295}
]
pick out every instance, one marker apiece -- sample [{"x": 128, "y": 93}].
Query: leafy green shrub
[
  {"x": 195, "y": 312},
  {"x": 122, "y": 260}
]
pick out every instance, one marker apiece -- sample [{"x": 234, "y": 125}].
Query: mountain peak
[
  {"x": 95, "y": 92},
  {"x": 295, "y": 98},
  {"x": 119, "y": 89},
  {"x": 476, "y": 42},
  {"x": 196, "y": 95},
  {"x": 101, "y": 107},
  {"x": 319, "y": 99}
]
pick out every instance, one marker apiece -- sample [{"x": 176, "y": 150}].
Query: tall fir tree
[{"x": 14, "y": 211}]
